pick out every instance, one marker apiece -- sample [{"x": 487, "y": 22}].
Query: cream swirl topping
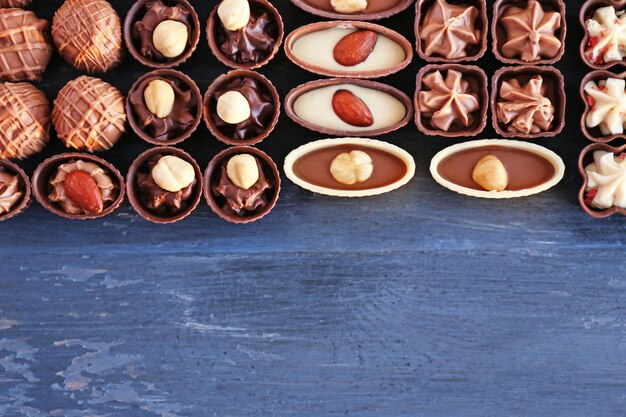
[
  {"x": 606, "y": 185},
  {"x": 607, "y": 32},
  {"x": 607, "y": 99}
]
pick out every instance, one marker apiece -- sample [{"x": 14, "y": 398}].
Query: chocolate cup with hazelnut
[
  {"x": 593, "y": 133},
  {"x": 477, "y": 84},
  {"x": 139, "y": 26},
  {"x": 585, "y": 158},
  {"x": 23, "y": 187},
  {"x": 142, "y": 167},
  {"x": 375, "y": 10},
  {"x": 48, "y": 169},
  {"x": 182, "y": 120},
  {"x": 217, "y": 36},
  {"x": 499, "y": 33},
  {"x": 586, "y": 12},
  {"x": 261, "y": 121},
  {"x": 473, "y": 52},
  {"x": 213, "y": 178},
  {"x": 555, "y": 92}
]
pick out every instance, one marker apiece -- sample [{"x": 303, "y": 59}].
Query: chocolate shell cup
[
  {"x": 593, "y": 133},
  {"x": 214, "y": 24},
  {"x": 25, "y": 187},
  {"x": 474, "y": 52},
  {"x": 46, "y": 171},
  {"x": 210, "y": 106},
  {"x": 357, "y": 71},
  {"x": 478, "y": 82},
  {"x": 399, "y": 98},
  {"x": 133, "y": 43},
  {"x": 183, "y": 83},
  {"x": 213, "y": 174},
  {"x": 376, "y": 9},
  {"x": 498, "y": 32},
  {"x": 585, "y": 158},
  {"x": 555, "y": 93},
  {"x": 586, "y": 12},
  {"x": 132, "y": 187}
]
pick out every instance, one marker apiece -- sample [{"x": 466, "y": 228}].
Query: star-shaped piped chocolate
[
  {"x": 525, "y": 108},
  {"x": 448, "y": 29},
  {"x": 448, "y": 101},
  {"x": 530, "y": 32}
]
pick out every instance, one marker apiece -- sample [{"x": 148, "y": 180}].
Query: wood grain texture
[{"x": 417, "y": 303}]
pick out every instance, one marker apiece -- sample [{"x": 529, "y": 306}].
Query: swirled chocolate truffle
[
  {"x": 24, "y": 120},
  {"x": 15, "y": 3},
  {"x": 25, "y": 45},
  {"x": 89, "y": 114},
  {"x": 88, "y": 35},
  {"x": 525, "y": 107},
  {"x": 11, "y": 191}
]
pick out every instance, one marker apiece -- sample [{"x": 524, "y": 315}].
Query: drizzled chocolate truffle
[
  {"x": 242, "y": 184},
  {"x": 164, "y": 107},
  {"x": 15, "y": 3},
  {"x": 161, "y": 33},
  {"x": 24, "y": 120},
  {"x": 25, "y": 45},
  {"x": 88, "y": 35},
  {"x": 245, "y": 33},
  {"x": 241, "y": 107},
  {"x": 89, "y": 114},
  {"x": 14, "y": 190}
]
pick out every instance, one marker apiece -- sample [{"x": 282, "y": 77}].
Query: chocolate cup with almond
[
  {"x": 212, "y": 177},
  {"x": 474, "y": 52},
  {"x": 214, "y": 24},
  {"x": 47, "y": 170},
  {"x": 220, "y": 85},
  {"x": 183, "y": 83},
  {"x": 478, "y": 82},
  {"x": 498, "y": 32},
  {"x": 24, "y": 184},
  {"x": 593, "y": 133},
  {"x": 555, "y": 93},
  {"x": 586, "y": 12},
  {"x": 134, "y": 43},
  {"x": 585, "y": 158},
  {"x": 134, "y": 193}
]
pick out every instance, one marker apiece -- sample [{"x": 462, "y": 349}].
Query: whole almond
[
  {"x": 82, "y": 190},
  {"x": 351, "y": 109},
  {"x": 354, "y": 48}
]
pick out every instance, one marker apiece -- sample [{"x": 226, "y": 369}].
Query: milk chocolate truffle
[
  {"x": 89, "y": 115},
  {"x": 15, "y": 3},
  {"x": 242, "y": 184},
  {"x": 88, "y": 35},
  {"x": 14, "y": 190},
  {"x": 164, "y": 107},
  {"x": 451, "y": 31},
  {"x": 161, "y": 34},
  {"x": 164, "y": 185},
  {"x": 529, "y": 31},
  {"x": 25, "y": 45},
  {"x": 241, "y": 107},
  {"x": 24, "y": 120},
  {"x": 245, "y": 33}
]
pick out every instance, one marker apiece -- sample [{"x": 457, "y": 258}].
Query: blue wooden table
[{"x": 417, "y": 303}]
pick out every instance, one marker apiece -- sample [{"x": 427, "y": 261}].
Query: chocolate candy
[
  {"x": 161, "y": 34},
  {"x": 353, "y": 9},
  {"x": 260, "y": 102},
  {"x": 171, "y": 89},
  {"x": 604, "y": 43},
  {"x": 336, "y": 49},
  {"x": 242, "y": 184},
  {"x": 24, "y": 120},
  {"x": 602, "y": 92},
  {"x": 451, "y": 100},
  {"x": 14, "y": 190},
  {"x": 25, "y": 45},
  {"x": 89, "y": 115},
  {"x": 252, "y": 45},
  {"x": 88, "y": 35},
  {"x": 15, "y": 3},
  {"x": 348, "y": 107},
  {"x": 78, "y": 186}
]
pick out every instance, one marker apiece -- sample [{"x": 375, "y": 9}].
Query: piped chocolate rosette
[
  {"x": 14, "y": 190},
  {"x": 606, "y": 30}
]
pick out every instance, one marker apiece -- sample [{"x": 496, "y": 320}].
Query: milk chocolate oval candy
[{"x": 353, "y": 9}]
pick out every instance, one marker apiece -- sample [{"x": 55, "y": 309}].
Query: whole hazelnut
[
  {"x": 170, "y": 38},
  {"x": 159, "y": 97},
  {"x": 348, "y": 6},
  {"x": 243, "y": 170},
  {"x": 234, "y": 14},
  {"x": 490, "y": 174},
  {"x": 351, "y": 167},
  {"x": 233, "y": 107},
  {"x": 172, "y": 173}
]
